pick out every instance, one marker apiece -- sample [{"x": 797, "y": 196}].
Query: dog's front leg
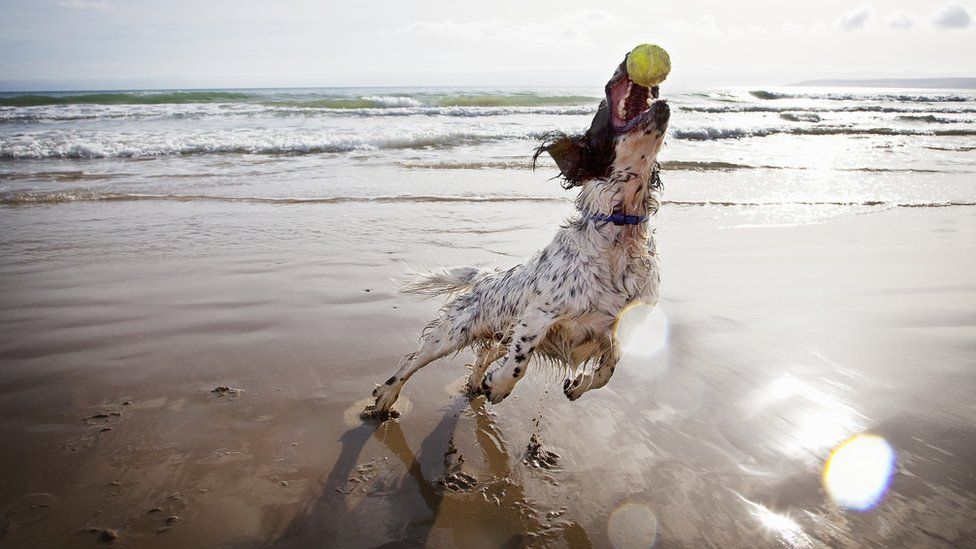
[
  {"x": 443, "y": 340},
  {"x": 485, "y": 358},
  {"x": 574, "y": 388},
  {"x": 529, "y": 330}
]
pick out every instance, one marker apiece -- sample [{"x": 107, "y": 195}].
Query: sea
[
  {"x": 199, "y": 290},
  {"x": 800, "y": 154}
]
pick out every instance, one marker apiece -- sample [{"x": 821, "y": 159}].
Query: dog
[{"x": 562, "y": 305}]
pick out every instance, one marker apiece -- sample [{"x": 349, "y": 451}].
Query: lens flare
[
  {"x": 632, "y": 525},
  {"x": 858, "y": 471},
  {"x": 642, "y": 330}
]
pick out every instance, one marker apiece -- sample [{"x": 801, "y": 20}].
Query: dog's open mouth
[{"x": 628, "y": 101}]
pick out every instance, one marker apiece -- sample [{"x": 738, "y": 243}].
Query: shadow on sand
[{"x": 375, "y": 505}]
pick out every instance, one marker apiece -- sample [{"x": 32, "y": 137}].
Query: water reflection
[
  {"x": 817, "y": 420},
  {"x": 782, "y": 526}
]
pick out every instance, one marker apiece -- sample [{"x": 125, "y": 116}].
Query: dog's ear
[
  {"x": 566, "y": 150},
  {"x": 581, "y": 157}
]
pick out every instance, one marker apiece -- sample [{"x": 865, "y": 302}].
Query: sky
[{"x": 119, "y": 44}]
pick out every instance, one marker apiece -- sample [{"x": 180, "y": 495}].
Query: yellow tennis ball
[{"x": 648, "y": 65}]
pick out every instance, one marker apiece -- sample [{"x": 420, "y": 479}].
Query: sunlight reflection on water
[
  {"x": 817, "y": 419},
  {"x": 783, "y": 526}
]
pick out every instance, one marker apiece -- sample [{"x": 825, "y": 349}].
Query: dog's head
[{"x": 630, "y": 122}]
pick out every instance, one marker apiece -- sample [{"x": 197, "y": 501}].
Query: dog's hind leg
[
  {"x": 598, "y": 377},
  {"x": 486, "y": 357},
  {"x": 529, "y": 330},
  {"x": 444, "y": 339}
]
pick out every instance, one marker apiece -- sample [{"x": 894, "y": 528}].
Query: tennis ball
[{"x": 648, "y": 65}]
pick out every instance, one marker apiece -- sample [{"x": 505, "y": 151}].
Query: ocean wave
[
  {"x": 710, "y": 134},
  {"x": 124, "y": 98},
  {"x": 97, "y": 145},
  {"x": 62, "y": 197},
  {"x": 667, "y": 166},
  {"x": 308, "y": 101},
  {"x": 373, "y": 108},
  {"x": 952, "y": 149},
  {"x": 343, "y": 103},
  {"x": 457, "y": 111},
  {"x": 800, "y": 117},
  {"x": 927, "y": 119},
  {"x": 82, "y": 195},
  {"x": 515, "y": 100},
  {"x": 69, "y": 176},
  {"x": 708, "y": 166},
  {"x": 435, "y": 101},
  {"x": 109, "y": 112},
  {"x": 897, "y": 97},
  {"x": 472, "y": 165},
  {"x": 392, "y": 101},
  {"x": 670, "y": 165},
  {"x": 941, "y": 109},
  {"x": 82, "y": 145}
]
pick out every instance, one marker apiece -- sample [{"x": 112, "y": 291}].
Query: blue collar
[
  {"x": 616, "y": 218},
  {"x": 620, "y": 219}
]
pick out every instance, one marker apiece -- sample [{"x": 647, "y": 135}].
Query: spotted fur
[{"x": 561, "y": 305}]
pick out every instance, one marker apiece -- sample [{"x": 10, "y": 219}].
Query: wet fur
[{"x": 561, "y": 305}]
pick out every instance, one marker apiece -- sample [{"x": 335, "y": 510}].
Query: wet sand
[{"x": 771, "y": 346}]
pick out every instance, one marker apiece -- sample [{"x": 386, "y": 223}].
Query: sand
[{"x": 190, "y": 374}]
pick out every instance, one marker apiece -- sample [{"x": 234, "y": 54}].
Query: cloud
[
  {"x": 83, "y": 4},
  {"x": 951, "y": 16},
  {"x": 707, "y": 25},
  {"x": 856, "y": 19},
  {"x": 570, "y": 27},
  {"x": 900, "y": 20}
]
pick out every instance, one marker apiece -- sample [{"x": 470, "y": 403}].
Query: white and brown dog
[{"x": 562, "y": 304}]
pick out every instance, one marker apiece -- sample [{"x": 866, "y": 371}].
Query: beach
[{"x": 192, "y": 328}]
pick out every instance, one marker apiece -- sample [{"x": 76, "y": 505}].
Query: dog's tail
[{"x": 442, "y": 281}]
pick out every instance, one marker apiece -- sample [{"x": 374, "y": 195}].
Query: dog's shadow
[{"x": 454, "y": 508}]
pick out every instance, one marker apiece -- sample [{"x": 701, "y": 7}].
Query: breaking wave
[
  {"x": 667, "y": 166},
  {"x": 927, "y": 119},
  {"x": 83, "y": 145},
  {"x": 709, "y": 134},
  {"x": 108, "y": 112},
  {"x": 330, "y": 101},
  {"x": 800, "y": 116},
  {"x": 856, "y": 108},
  {"x": 63, "y": 197},
  {"x": 670, "y": 165},
  {"x": 124, "y": 98},
  {"x": 898, "y": 97},
  {"x": 97, "y": 145}
]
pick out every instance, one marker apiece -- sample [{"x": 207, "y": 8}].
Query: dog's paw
[
  {"x": 496, "y": 397},
  {"x": 382, "y": 408},
  {"x": 473, "y": 387},
  {"x": 492, "y": 391},
  {"x": 574, "y": 388},
  {"x": 370, "y": 412}
]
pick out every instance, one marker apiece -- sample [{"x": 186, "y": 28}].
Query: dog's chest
[{"x": 626, "y": 271}]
